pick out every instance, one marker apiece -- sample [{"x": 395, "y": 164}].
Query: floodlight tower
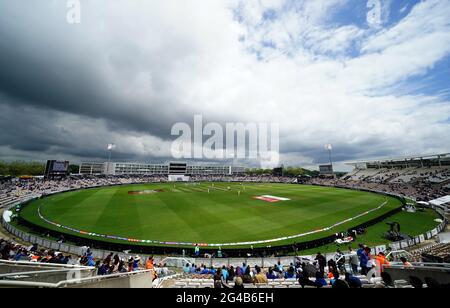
[
  {"x": 329, "y": 148},
  {"x": 111, "y": 147}
]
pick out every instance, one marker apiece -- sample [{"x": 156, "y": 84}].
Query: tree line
[{"x": 23, "y": 168}]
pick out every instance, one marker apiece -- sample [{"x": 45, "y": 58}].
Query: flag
[
  {"x": 328, "y": 147},
  {"x": 111, "y": 146}
]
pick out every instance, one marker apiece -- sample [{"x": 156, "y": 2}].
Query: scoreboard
[
  {"x": 56, "y": 168},
  {"x": 326, "y": 169}
]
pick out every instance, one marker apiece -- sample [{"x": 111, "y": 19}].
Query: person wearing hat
[
  {"x": 90, "y": 260},
  {"x": 130, "y": 264},
  {"x": 137, "y": 264}
]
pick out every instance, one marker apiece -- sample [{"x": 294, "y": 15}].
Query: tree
[
  {"x": 4, "y": 168},
  {"x": 20, "y": 168},
  {"x": 74, "y": 169}
]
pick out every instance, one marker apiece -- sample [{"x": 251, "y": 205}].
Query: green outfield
[{"x": 220, "y": 213}]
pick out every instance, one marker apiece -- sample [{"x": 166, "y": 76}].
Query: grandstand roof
[{"x": 442, "y": 157}]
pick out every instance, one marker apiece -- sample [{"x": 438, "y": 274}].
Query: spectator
[
  {"x": 247, "y": 278},
  {"x": 187, "y": 268},
  {"x": 322, "y": 262},
  {"x": 219, "y": 280},
  {"x": 260, "y": 277},
  {"x": 320, "y": 281},
  {"x": 304, "y": 280},
  {"x": 225, "y": 273},
  {"x": 239, "y": 284},
  {"x": 405, "y": 262},
  {"x": 353, "y": 260},
  {"x": 103, "y": 269},
  {"x": 364, "y": 257},
  {"x": 271, "y": 275},
  {"x": 353, "y": 282},
  {"x": 197, "y": 251},
  {"x": 290, "y": 273},
  {"x": 340, "y": 261}
]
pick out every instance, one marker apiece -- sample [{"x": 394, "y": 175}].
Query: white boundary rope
[{"x": 130, "y": 240}]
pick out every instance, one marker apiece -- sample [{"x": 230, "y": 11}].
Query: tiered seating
[
  {"x": 364, "y": 174},
  {"x": 196, "y": 283},
  {"x": 6, "y": 201},
  {"x": 440, "y": 177},
  {"x": 436, "y": 250},
  {"x": 386, "y": 175},
  {"x": 352, "y": 175},
  {"x": 417, "y": 174}
]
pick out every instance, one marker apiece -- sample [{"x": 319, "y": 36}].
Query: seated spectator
[
  {"x": 260, "y": 277},
  {"x": 320, "y": 281},
  {"x": 231, "y": 274},
  {"x": 205, "y": 271},
  {"x": 239, "y": 284},
  {"x": 103, "y": 269},
  {"x": 405, "y": 262},
  {"x": 290, "y": 273},
  {"x": 137, "y": 264},
  {"x": 187, "y": 268},
  {"x": 219, "y": 280},
  {"x": 353, "y": 282},
  {"x": 334, "y": 277},
  {"x": 225, "y": 273},
  {"x": 304, "y": 280},
  {"x": 271, "y": 275},
  {"x": 193, "y": 269},
  {"x": 247, "y": 278}
]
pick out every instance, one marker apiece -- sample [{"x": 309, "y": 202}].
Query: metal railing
[{"x": 140, "y": 279}]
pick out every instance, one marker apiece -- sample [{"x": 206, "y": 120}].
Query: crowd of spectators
[
  {"x": 35, "y": 186},
  {"x": 350, "y": 269},
  {"x": 419, "y": 190},
  {"x": 112, "y": 264},
  {"x": 11, "y": 251}
]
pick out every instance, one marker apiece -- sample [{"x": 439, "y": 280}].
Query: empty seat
[
  {"x": 193, "y": 285},
  {"x": 181, "y": 284}
]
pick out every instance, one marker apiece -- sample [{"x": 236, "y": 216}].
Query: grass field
[
  {"x": 190, "y": 214},
  {"x": 412, "y": 224}
]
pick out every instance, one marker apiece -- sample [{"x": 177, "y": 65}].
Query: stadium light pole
[
  {"x": 111, "y": 147},
  {"x": 329, "y": 148}
]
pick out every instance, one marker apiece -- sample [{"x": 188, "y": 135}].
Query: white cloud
[{"x": 172, "y": 59}]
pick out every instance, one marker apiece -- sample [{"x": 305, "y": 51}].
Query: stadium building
[
  {"x": 173, "y": 168},
  {"x": 432, "y": 169}
]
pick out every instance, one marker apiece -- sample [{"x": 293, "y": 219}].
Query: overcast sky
[{"x": 132, "y": 69}]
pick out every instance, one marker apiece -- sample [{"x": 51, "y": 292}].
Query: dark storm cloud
[
  {"x": 132, "y": 69},
  {"x": 45, "y": 63}
]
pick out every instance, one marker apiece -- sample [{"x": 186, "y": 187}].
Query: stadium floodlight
[
  {"x": 329, "y": 148},
  {"x": 111, "y": 147}
]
